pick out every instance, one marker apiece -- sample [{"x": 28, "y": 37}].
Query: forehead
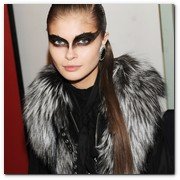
[{"x": 71, "y": 25}]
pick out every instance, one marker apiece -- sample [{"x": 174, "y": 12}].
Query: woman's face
[{"x": 74, "y": 45}]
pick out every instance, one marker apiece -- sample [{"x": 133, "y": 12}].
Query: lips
[{"x": 71, "y": 68}]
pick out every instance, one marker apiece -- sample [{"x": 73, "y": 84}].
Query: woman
[{"x": 88, "y": 112}]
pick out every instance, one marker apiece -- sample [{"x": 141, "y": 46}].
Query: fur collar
[{"x": 138, "y": 88}]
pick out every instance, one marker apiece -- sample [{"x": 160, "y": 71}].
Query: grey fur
[{"x": 138, "y": 87}]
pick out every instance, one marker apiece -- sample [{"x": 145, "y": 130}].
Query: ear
[{"x": 105, "y": 38}]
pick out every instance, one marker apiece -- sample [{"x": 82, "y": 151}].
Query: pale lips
[{"x": 71, "y": 68}]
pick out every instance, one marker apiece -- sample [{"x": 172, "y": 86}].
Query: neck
[{"x": 87, "y": 81}]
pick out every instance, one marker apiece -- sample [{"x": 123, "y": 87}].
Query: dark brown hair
[{"x": 123, "y": 162}]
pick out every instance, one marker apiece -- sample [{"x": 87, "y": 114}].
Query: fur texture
[{"x": 138, "y": 88}]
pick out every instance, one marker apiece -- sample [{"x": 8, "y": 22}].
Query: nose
[{"x": 70, "y": 55}]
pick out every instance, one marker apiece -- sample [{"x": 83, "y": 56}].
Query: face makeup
[
  {"x": 74, "y": 44},
  {"x": 83, "y": 39}
]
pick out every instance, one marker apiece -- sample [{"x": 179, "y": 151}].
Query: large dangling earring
[{"x": 102, "y": 52}]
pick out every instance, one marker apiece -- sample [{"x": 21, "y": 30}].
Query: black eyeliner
[
  {"x": 89, "y": 36},
  {"x": 86, "y": 36},
  {"x": 53, "y": 38}
]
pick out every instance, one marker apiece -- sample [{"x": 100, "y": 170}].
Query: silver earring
[{"x": 102, "y": 52}]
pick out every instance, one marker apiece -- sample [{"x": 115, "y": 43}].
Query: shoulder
[
  {"x": 47, "y": 80},
  {"x": 139, "y": 88},
  {"x": 42, "y": 103},
  {"x": 138, "y": 75},
  {"x": 45, "y": 90}
]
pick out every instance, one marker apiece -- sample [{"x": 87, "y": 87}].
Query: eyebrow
[
  {"x": 90, "y": 35},
  {"x": 87, "y": 34},
  {"x": 53, "y": 38}
]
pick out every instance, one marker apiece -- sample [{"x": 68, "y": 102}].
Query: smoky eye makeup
[
  {"x": 85, "y": 38},
  {"x": 80, "y": 40},
  {"x": 58, "y": 41}
]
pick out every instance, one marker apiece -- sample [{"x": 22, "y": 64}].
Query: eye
[
  {"x": 59, "y": 43},
  {"x": 83, "y": 42}
]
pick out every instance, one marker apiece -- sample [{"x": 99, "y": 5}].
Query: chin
[{"x": 73, "y": 77}]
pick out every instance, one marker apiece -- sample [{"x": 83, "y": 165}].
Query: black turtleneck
[
  {"x": 79, "y": 99},
  {"x": 85, "y": 112}
]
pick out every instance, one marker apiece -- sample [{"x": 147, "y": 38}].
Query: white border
[{"x": 177, "y": 90}]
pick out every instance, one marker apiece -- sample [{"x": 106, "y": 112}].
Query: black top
[
  {"x": 84, "y": 117},
  {"x": 79, "y": 99}
]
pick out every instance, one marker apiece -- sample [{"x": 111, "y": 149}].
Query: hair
[{"x": 122, "y": 156}]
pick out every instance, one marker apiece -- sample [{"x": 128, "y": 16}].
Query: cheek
[
  {"x": 89, "y": 55},
  {"x": 57, "y": 55}
]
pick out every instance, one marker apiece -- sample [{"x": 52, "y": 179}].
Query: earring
[{"x": 102, "y": 52}]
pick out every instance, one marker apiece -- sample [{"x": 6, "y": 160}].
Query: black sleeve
[
  {"x": 36, "y": 166},
  {"x": 160, "y": 159}
]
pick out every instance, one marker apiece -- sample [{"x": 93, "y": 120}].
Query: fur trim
[
  {"x": 44, "y": 112},
  {"x": 138, "y": 87},
  {"x": 105, "y": 159}
]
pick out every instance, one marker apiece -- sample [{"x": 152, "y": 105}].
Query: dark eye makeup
[
  {"x": 57, "y": 41},
  {"x": 80, "y": 40},
  {"x": 85, "y": 38}
]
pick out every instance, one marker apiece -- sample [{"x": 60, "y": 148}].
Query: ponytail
[{"x": 122, "y": 155}]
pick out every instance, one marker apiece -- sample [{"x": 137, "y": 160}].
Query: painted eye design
[
  {"x": 59, "y": 43},
  {"x": 83, "y": 42}
]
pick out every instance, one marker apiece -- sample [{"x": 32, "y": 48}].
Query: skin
[{"x": 86, "y": 57}]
